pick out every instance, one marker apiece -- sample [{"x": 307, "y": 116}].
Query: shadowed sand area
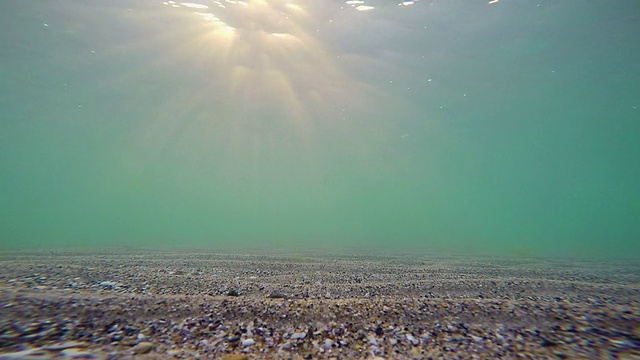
[{"x": 313, "y": 305}]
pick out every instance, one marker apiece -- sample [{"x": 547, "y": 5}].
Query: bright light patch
[
  {"x": 294, "y": 7},
  {"x": 194, "y": 5},
  {"x": 208, "y": 17},
  {"x": 265, "y": 60}
]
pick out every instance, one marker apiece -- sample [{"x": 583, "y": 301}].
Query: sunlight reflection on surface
[{"x": 271, "y": 53}]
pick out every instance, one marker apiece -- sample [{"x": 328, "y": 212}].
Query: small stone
[
  {"x": 546, "y": 343},
  {"x": 64, "y": 345},
  {"x": 233, "y": 292},
  {"x": 328, "y": 344},
  {"x": 142, "y": 348},
  {"x": 75, "y": 353},
  {"x": 621, "y": 343},
  {"x": 298, "y": 336},
  {"x": 108, "y": 284},
  {"x": 560, "y": 355},
  {"x": 174, "y": 353},
  {"x": 248, "y": 342},
  {"x": 413, "y": 340},
  {"x": 379, "y": 331},
  {"x": 477, "y": 339}
]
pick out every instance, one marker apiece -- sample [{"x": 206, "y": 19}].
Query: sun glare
[
  {"x": 246, "y": 82},
  {"x": 245, "y": 75},
  {"x": 271, "y": 55}
]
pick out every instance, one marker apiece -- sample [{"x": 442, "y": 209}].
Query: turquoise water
[{"x": 510, "y": 128}]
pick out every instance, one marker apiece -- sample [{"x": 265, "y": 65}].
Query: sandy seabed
[{"x": 311, "y": 305}]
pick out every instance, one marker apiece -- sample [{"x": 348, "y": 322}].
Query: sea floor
[{"x": 311, "y": 305}]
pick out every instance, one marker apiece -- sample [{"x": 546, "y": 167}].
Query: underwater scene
[{"x": 319, "y": 179}]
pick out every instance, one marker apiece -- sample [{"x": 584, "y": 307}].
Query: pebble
[
  {"x": 248, "y": 342},
  {"x": 328, "y": 343},
  {"x": 298, "y": 336},
  {"x": 108, "y": 284},
  {"x": 477, "y": 339},
  {"x": 412, "y": 340},
  {"x": 75, "y": 353},
  {"x": 64, "y": 345},
  {"x": 142, "y": 348}
]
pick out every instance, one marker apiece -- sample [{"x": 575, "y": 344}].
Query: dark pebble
[
  {"x": 546, "y": 342},
  {"x": 233, "y": 339}
]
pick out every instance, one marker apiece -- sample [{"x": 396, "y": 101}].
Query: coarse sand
[{"x": 314, "y": 305}]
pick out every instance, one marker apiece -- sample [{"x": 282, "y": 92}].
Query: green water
[{"x": 447, "y": 126}]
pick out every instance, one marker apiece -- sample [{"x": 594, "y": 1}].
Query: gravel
[{"x": 141, "y": 305}]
